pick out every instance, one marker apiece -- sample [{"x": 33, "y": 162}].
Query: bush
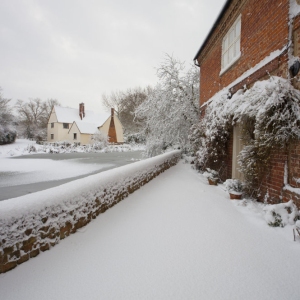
[
  {"x": 7, "y": 135},
  {"x": 234, "y": 185}
]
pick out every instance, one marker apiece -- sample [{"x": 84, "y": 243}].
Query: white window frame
[
  {"x": 231, "y": 46},
  {"x": 52, "y": 136},
  {"x": 74, "y": 136}
]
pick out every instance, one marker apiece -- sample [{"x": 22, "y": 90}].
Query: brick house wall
[{"x": 264, "y": 29}]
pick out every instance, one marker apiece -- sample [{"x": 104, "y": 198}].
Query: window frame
[
  {"x": 52, "y": 136},
  {"x": 74, "y": 136},
  {"x": 52, "y": 125},
  {"x": 231, "y": 41},
  {"x": 65, "y": 125}
]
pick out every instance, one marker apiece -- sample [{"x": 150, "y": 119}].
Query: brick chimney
[
  {"x": 81, "y": 111},
  {"x": 112, "y": 134}
]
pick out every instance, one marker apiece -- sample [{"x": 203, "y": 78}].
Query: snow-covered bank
[
  {"x": 24, "y": 147},
  {"x": 175, "y": 238},
  {"x": 38, "y": 221}
]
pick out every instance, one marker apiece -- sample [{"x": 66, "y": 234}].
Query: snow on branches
[
  {"x": 7, "y": 130},
  {"x": 171, "y": 108},
  {"x": 269, "y": 114}
]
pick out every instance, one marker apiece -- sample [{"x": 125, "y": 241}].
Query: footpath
[{"x": 175, "y": 238}]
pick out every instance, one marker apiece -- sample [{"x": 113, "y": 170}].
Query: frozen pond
[{"x": 31, "y": 173}]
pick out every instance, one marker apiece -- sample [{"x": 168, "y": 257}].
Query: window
[
  {"x": 52, "y": 125},
  {"x": 231, "y": 45},
  {"x": 52, "y": 136},
  {"x": 66, "y": 125},
  {"x": 75, "y": 136}
]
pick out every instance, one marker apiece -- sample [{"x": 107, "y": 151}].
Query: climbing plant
[{"x": 269, "y": 115}]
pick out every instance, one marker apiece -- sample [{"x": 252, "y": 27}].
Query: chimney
[
  {"x": 112, "y": 112},
  {"x": 81, "y": 111}
]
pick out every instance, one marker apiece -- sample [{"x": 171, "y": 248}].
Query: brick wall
[
  {"x": 273, "y": 181},
  {"x": 296, "y": 47},
  {"x": 24, "y": 237},
  {"x": 293, "y": 175},
  {"x": 264, "y": 29}
]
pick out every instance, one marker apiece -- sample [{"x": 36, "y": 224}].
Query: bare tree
[
  {"x": 49, "y": 104},
  {"x": 125, "y": 103},
  {"x": 114, "y": 100},
  {"x": 33, "y": 116}
]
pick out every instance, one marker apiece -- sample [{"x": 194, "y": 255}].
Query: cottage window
[
  {"x": 52, "y": 136},
  {"x": 75, "y": 136},
  {"x": 66, "y": 125},
  {"x": 52, "y": 125},
  {"x": 231, "y": 50}
]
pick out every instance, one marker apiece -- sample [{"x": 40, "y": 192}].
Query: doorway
[{"x": 236, "y": 149}]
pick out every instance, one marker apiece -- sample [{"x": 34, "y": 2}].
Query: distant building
[{"x": 73, "y": 125}]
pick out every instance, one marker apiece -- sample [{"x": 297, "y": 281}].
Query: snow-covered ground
[
  {"x": 175, "y": 238},
  {"x": 24, "y": 147},
  {"x": 17, "y": 148}
]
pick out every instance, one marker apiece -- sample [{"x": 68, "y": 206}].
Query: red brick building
[{"x": 249, "y": 41}]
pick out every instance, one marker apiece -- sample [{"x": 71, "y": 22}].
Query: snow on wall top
[
  {"x": 68, "y": 194},
  {"x": 69, "y": 115}
]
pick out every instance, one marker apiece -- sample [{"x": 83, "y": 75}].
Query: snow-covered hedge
[{"x": 36, "y": 222}]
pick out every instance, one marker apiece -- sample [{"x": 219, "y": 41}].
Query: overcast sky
[{"x": 76, "y": 50}]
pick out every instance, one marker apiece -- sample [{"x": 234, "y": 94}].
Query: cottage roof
[
  {"x": 226, "y": 5},
  {"x": 85, "y": 127},
  {"x": 69, "y": 115}
]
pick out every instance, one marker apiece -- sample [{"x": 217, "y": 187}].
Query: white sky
[{"x": 74, "y": 51}]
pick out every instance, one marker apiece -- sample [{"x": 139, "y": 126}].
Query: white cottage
[{"x": 73, "y": 125}]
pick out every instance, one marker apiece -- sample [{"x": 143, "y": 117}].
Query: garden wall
[{"x": 34, "y": 223}]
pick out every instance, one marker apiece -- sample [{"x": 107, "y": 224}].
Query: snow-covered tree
[
  {"x": 171, "y": 108},
  {"x": 7, "y": 129},
  {"x": 99, "y": 140}
]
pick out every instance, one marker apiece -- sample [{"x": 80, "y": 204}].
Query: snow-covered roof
[
  {"x": 85, "y": 127},
  {"x": 69, "y": 115}
]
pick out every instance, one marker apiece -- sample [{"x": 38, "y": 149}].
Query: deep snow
[{"x": 175, "y": 238}]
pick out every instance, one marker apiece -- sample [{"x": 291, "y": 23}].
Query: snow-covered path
[{"x": 175, "y": 238}]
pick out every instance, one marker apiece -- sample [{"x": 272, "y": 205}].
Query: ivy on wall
[{"x": 269, "y": 115}]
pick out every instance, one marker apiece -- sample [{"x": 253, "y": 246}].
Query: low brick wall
[
  {"x": 292, "y": 195},
  {"x": 29, "y": 226}
]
